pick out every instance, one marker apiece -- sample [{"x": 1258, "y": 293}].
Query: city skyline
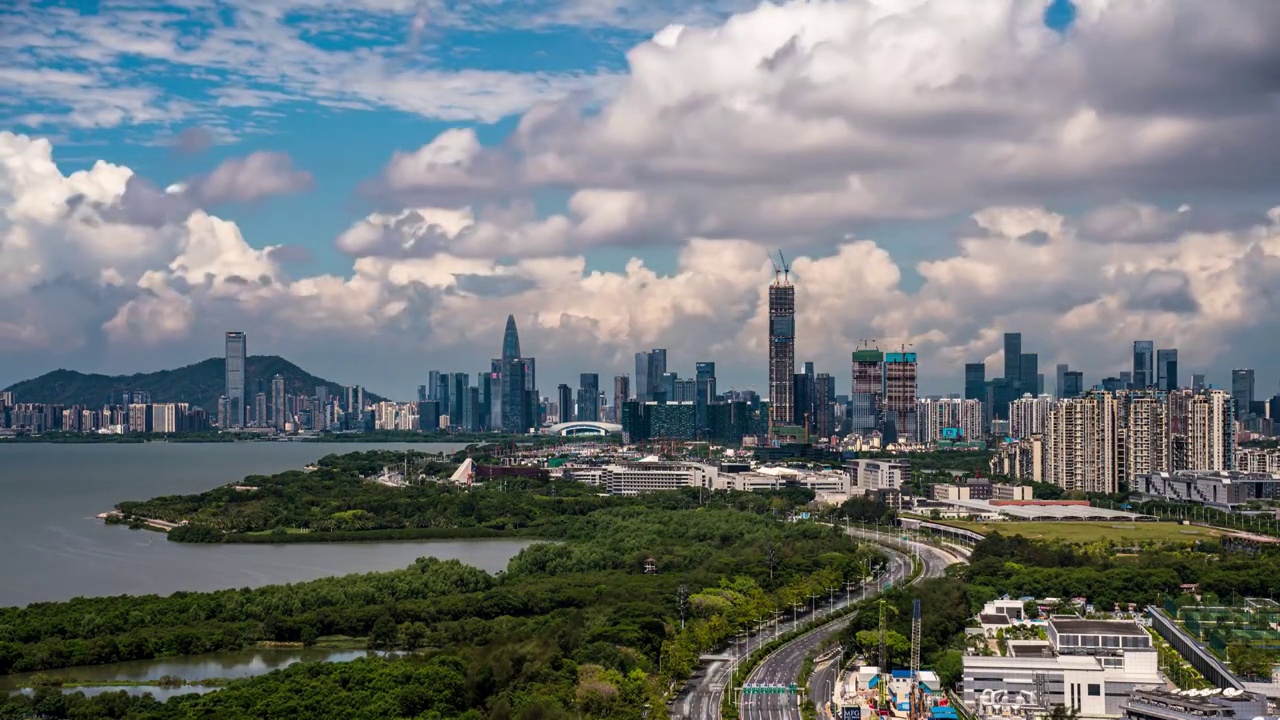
[{"x": 360, "y": 196}]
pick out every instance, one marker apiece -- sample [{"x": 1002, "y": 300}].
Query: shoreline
[{"x": 152, "y": 523}]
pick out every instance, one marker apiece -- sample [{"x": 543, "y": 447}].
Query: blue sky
[
  {"x": 343, "y": 146},
  {"x": 942, "y": 171}
]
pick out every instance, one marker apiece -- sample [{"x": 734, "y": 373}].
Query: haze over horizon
[{"x": 369, "y": 189}]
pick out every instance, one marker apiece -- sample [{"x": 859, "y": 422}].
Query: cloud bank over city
[{"x": 937, "y": 172}]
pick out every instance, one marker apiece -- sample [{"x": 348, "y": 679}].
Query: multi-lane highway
[
  {"x": 782, "y": 666},
  {"x": 703, "y": 694},
  {"x": 935, "y": 561}
]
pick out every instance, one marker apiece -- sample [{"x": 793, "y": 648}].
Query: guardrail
[{"x": 728, "y": 706}]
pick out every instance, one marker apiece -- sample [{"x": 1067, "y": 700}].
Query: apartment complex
[
  {"x": 1102, "y": 440},
  {"x": 949, "y": 419}
]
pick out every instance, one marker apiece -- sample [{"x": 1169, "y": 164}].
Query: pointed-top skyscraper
[
  {"x": 518, "y": 386},
  {"x": 511, "y": 340}
]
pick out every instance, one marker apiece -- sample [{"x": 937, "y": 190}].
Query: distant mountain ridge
[{"x": 200, "y": 384}]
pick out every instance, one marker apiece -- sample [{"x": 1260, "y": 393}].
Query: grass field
[{"x": 1093, "y": 531}]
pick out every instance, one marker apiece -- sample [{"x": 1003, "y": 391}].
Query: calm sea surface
[{"x": 53, "y": 548}]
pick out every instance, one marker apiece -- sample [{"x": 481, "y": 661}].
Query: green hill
[{"x": 199, "y": 384}]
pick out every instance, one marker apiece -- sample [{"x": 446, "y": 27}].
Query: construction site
[{"x": 868, "y": 690}]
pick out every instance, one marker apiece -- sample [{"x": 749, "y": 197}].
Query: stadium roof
[{"x": 1049, "y": 512}]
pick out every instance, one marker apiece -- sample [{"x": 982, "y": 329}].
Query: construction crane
[
  {"x": 781, "y": 269},
  {"x": 885, "y": 609}
]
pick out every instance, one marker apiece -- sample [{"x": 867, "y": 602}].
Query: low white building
[
  {"x": 872, "y": 475},
  {"x": 1221, "y": 489},
  {"x": 1091, "y": 666}
]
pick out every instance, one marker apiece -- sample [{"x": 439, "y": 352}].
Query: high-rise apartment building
[
  {"x": 589, "y": 397},
  {"x": 1211, "y": 420},
  {"x": 1242, "y": 391},
  {"x": 1143, "y": 440},
  {"x": 1144, "y": 375},
  {"x": 867, "y": 398},
  {"x": 900, "y": 397},
  {"x": 782, "y": 351},
  {"x": 950, "y": 419},
  {"x": 1167, "y": 370},
  {"x": 1080, "y": 440},
  {"x": 237, "y": 360},
  {"x": 1029, "y": 416},
  {"x": 621, "y": 393}
]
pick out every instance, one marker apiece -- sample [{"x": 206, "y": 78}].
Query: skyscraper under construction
[{"x": 782, "y": 347}]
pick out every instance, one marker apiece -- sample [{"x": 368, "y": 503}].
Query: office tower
[
  {"x": 1029, "y": 369},
  {"x": 1073, "y": 384},
  {"x": 1167, "y": 370},
  {"x": 1013, "y": 358},
  {"x": 657, "y": 368},
  {"x": 514, "y": 414},
  {"x": 621, "y": 393},
  {"x": 422, "y": 393},
  {"x": 1197, "y": 381},
  {"x": 975, "y": 381},
  {"x": 1080, "y": 440},
  {"x": 1143, "y": 364},
  {"x": 1113, "y": 384},
  {"x": 588, "y": 397},
  {"x": 802, "y": 391},
  {"x": 433, "y": 385},
  {"x": 643, "y": 383},
  {"x": 666, "y": 391},
  {"x": 1060, "y": 383},
  {"x": 1028, "y": 416},
  {"x": 322, "y": 394},
  {"x": 1212, "y": 431},
  {"x": 704, "y": 392},
  {"x": 782, "y": 350},
  {"x": 900, "y": 396},
  {"x": 824, "y": 404},
  {"x": 1126, "y": 380},
  {"x": 458, "y": 384},
  {"x": 236, "y": 363},
  {"x": 259, "y": 410},
  {"x": 686, "y": 391},
  {"x": 278, "y": 417},
  {"x": 470, "y": 409},
  {"x": 867, "y": 397},
  {"x": 1242, "y": 391},
  {"x": 428, "y": 416}
]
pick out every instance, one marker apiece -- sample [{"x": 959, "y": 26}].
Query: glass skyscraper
[
  {"x": 1242, "y": 390},
  {"x": 588, "y": 397},
  {"x": 1143, "y": 364},
  {"x": 237, "y": 361},
  {"x": 975, "y": 381},
  {"x": 704, "y": 393},
  {"x": 1167, "y": 370}
]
